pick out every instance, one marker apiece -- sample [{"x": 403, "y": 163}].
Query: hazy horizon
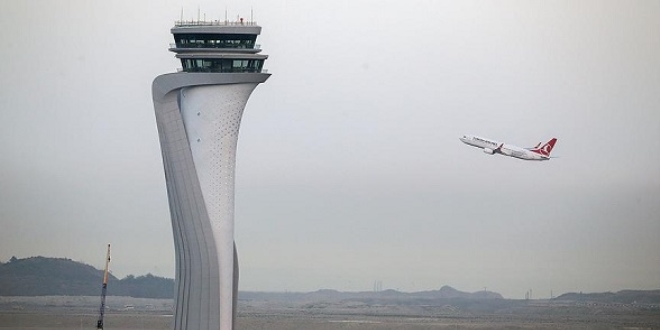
[{"x": 349, "y": 167}]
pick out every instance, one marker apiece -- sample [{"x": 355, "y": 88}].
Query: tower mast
[{"x": 99, "y": 323}]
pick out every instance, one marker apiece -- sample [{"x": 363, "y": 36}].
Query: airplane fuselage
[{"x": 492, "y": 147}]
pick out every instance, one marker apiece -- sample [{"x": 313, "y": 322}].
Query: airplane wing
[{"x": 536, "y": 147}]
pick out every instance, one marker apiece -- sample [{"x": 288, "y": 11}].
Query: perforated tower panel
[{"x": 212, "y": 116}]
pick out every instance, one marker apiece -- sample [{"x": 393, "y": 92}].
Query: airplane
[{"x": 540, "y": 152}]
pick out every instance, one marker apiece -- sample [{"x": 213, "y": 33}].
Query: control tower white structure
[{"x": 198, "y": 114}]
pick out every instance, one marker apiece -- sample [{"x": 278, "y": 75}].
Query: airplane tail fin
[{"x": 546, "y": 148}]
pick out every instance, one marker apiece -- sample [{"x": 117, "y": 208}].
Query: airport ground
[{"x": 60, "y": 313}]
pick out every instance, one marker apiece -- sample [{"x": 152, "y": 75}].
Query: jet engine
[{"x": 489, "y": 151}]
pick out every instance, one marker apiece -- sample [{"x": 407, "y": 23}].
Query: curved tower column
[{"x": 198, "y": 115}]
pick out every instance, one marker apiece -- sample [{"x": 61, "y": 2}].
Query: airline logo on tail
[
  {"x": 546, "y": 148},
  {"x": 540, "y": 152}
]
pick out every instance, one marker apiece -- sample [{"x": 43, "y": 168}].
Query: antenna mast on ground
[{"x": 99, "y": 324}]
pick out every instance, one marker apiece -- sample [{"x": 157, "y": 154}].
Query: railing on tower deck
[
  {"x": 230, "y": 70},
  {"x": 215, "y": 23},
  {"x": 195, "y": 45}
]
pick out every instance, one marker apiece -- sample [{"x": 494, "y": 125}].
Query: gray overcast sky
[{"x": 349, "y": 165}]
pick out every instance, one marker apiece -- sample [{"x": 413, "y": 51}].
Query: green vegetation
[
  {"x": 147, "y": 286},
  {"x": 41, "y": 276}
]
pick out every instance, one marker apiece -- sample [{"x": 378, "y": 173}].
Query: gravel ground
[
  {"x": 301, "y": 321},
  {"x": 55, "y": 313}
]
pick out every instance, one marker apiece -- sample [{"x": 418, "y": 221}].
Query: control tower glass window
[
  {"x": 221, "y": 65},
  {"x": 215, "y": 40}
]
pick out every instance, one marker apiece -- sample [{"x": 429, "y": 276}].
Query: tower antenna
[
  {"x": 181, "y": 13},
  {"x": 251, "y": 15}
]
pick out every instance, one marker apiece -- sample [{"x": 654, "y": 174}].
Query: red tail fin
[{"x": 546, "y": 148}]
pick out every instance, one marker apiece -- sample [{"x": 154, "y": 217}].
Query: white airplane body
[{"x": 540, "y": 152}]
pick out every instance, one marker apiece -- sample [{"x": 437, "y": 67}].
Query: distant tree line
[{"x": 146, "y": 286}]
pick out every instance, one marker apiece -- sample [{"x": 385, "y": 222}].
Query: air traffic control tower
[{"x": 198, "y": 114}]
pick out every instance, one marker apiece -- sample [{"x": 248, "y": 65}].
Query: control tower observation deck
[
  {"x": 198, "y": 115},
  {"x": 218, "y": 46}
]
